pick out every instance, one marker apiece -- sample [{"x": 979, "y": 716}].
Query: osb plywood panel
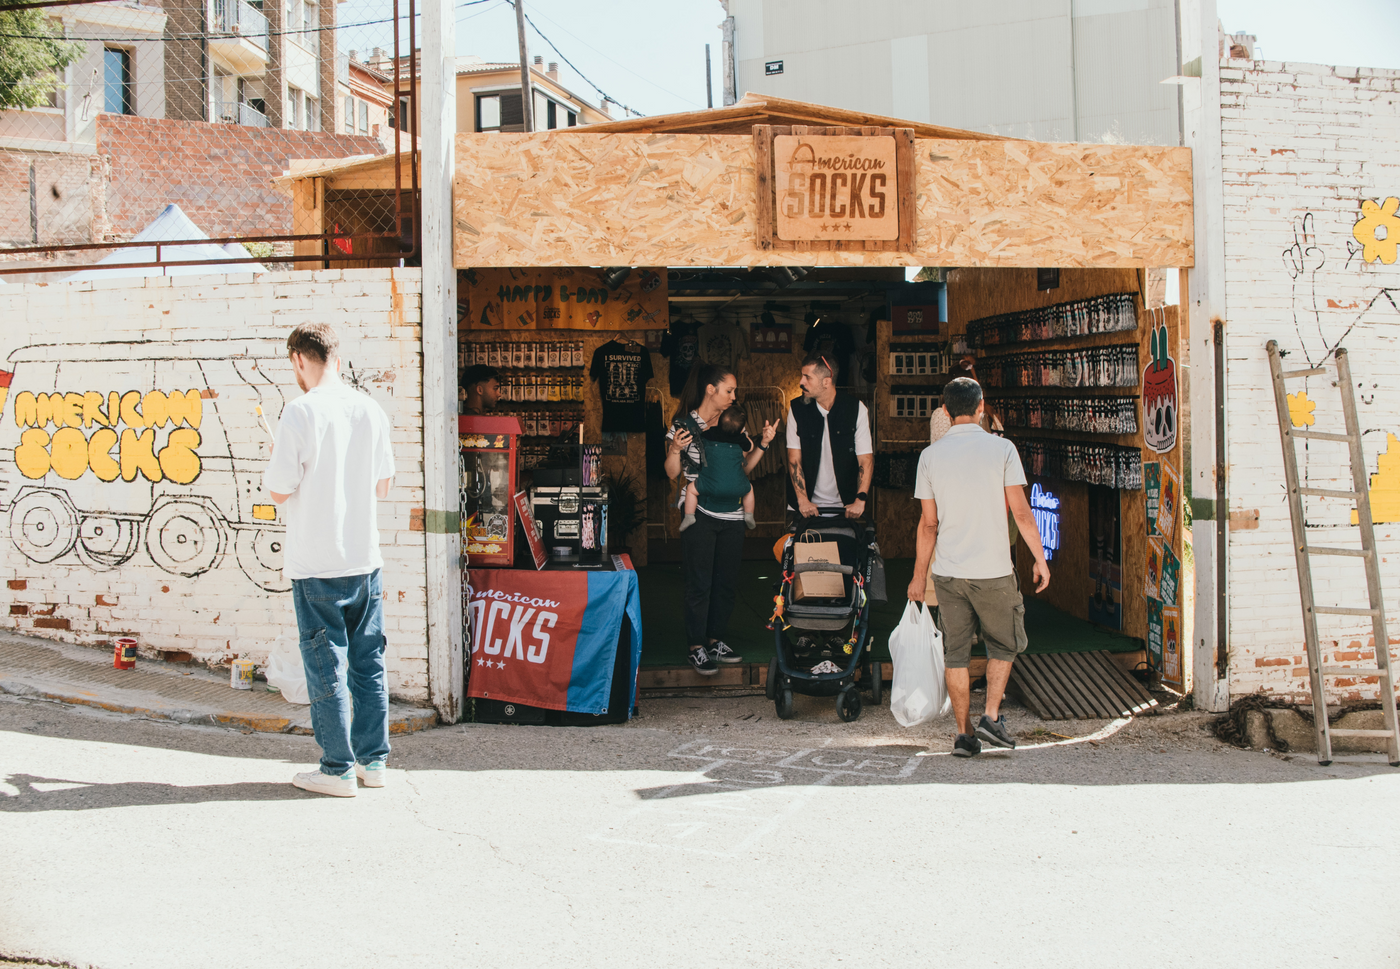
[{"x": 587, "y": 199}]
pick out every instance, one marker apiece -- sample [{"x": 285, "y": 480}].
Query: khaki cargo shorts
[{"x": 994, "y": 603}]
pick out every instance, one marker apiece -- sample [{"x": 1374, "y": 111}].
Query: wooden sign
[
  {"x": 835, "y": 188},
  {"x": 560, "y": 298}
]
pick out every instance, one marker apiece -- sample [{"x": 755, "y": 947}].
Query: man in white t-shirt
[
  {"x": 331, "y": 461},
  {"x": 830, "y": 458},
  {"x": 967, "y": 480}
]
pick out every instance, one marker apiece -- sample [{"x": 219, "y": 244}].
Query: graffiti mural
[{"x": 108, "y": 450}]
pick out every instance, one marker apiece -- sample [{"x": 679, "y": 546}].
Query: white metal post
[
  {"x": 441, "y": 517},
  {"x": 1206, "y": 289}
]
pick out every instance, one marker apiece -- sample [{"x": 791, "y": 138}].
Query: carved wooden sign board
[{"x": 835, "y": 188}]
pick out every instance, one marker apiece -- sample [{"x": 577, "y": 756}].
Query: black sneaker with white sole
[
  {"x": 702, "y": 662},
  {"x": 720, "y": 650},
  {"x": 995, "y": 733},
  {"x": 966, "y": 746}
]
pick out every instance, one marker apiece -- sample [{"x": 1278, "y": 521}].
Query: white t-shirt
[
  {"x": 331, "y": 449},
  {"x": 824, "y": 492},
  {"x": 966, "y": 472}
]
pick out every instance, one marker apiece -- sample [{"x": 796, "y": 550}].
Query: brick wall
[
  {"x": 217, "y": 173},
  {"x": 1303, "y": 147},
  {"x": 193, "y": 566}
]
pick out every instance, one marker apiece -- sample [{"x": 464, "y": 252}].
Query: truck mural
[{"x": 111, "y": 449}]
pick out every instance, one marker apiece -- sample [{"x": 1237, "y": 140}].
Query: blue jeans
[{"x": 341, "y": 622}]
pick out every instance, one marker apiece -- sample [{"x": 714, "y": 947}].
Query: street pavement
[{"x": 706, "y": 833}]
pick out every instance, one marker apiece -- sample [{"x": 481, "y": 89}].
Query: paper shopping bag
[{"x": 815, "y": 585}]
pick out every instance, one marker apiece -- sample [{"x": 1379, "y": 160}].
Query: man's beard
[{"x": 808, "y": 396}]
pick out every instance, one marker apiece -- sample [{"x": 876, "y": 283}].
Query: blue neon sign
[{"x": 1045, "y": 505}]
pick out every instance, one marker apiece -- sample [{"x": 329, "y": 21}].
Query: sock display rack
[
  {"x": 1040, "y": 423},
  {"x": 546, "y": 376}
]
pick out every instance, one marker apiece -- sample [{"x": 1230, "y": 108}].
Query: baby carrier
[{"x": 721, "y": 482}]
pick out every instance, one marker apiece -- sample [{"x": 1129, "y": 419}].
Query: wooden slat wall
[{"x": 587, "y": 199}]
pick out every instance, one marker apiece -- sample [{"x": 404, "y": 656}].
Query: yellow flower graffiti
[
  {"x": 1300, "y": 409},
  {"x": 1378, "y": 230},
  {"x": 1385, "y": 485}
]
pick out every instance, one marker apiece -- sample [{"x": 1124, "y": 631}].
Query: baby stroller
[{"x": 820, "y": 642}]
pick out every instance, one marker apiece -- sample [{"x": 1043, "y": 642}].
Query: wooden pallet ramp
[{"x": 1077, "y": 686}]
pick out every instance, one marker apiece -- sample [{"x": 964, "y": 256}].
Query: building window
[
  {"x": 117, "y": 94},
  {"x": 402, "y": 121},
  {"x": 499, "y": 112},
  {"x": 573, "y": 119},
  {"x": 552, "y": 115},
  {"x": 313, "y": 115},
  {"x": 293, "y": 119},
  {"x": 310, "y": 35},
  {"x": 364, "y": 117},
  {"x": 349, "y": 115},
  {"x": 293, "y": 15}
]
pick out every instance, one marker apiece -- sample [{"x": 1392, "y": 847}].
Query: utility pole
[
  {"x": 709, "y": 92},
  {"x": 527, "y": 98}
]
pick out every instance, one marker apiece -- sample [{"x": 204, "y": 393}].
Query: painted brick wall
[
  {"x": 217, "y": 173},
  {"x": 1303, "y": 147},
  {"x": 86, "y": 559}
]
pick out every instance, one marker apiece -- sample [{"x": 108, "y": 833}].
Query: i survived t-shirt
[
  {"x": 622, "y": 371},
  {"x": 331, "y": 449}
]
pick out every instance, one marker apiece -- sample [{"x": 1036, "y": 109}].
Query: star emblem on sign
[
  {"x": 481, "y": 662},
  {"x": 825, "y": 227},
  {"x": 501, "y": 665}
]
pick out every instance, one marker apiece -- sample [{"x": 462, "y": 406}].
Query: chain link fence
[{"x": 253, "y": 134}]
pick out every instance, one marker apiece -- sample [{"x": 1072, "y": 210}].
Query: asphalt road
[{"x": 706, "y": 834}]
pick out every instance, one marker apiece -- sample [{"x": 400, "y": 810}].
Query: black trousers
[{"x": 711, "y": 551}]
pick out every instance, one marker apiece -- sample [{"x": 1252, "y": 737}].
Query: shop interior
[{"x": 1067, "y": 359}]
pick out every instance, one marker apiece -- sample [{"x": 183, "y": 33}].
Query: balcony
[
  {"x": 237, "y": 112},
  {"x": 238, "y": 36}
]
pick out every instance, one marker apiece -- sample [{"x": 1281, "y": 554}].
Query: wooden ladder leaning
[{"x": 1302, "y": 550}]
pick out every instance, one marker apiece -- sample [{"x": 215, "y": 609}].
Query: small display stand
[{"x": 488, "y": 452}]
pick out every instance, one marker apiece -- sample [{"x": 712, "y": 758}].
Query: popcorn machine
[{"x": 488, "y": 448}]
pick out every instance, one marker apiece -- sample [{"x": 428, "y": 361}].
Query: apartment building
[{"x": 364, "y": 99}]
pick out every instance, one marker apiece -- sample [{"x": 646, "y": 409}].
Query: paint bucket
[
  {"x": 124, "y": 654},
  {"x": 240, "y": 675}
]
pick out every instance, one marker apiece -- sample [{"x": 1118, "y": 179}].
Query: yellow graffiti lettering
[
  {"x": 177, "y": 458},
  {"x": 92, "y": 410},
  {"x": 99, "y": 455},
  {"x": 44, "y": 409},
  {"x": 26, "y": 409},
  {"x": 114, "y": 408},
  {"x": 32, "y": 455},
  {"x": 68, "y": 452},
  {"x": 187, "y": 407},
  {"x": 131, "y": 417},
  {"x": 71, "y": 414},
  {"x": 155, "y": 407},
  {"x": 138, "y": 453}
]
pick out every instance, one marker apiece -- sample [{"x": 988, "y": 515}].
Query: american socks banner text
[{"x": 550, "y": 639}]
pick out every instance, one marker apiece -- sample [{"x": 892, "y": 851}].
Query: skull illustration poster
[{"x": 1160, "y": 411}]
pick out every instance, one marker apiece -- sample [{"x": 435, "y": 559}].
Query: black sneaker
[
  {"x": 702, "y": 662},
  {"x": 994, "y": 732},
  {"x": 966, "y": 746},
  {"x": 723, "y": 654}
]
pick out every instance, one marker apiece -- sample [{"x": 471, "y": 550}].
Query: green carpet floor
[{"x": 1048, "y": 629}]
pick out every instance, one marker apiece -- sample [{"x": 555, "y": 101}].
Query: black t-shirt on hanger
[
  {"x": 622, "y": 371},
  {"x": 681, "y": 345}
]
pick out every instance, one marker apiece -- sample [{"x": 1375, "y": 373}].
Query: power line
[{"x": 586, "y": 78}]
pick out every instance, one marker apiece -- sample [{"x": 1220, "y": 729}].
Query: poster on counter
[
  {"x": 1154, "y": 634},
  {"x": 1167, "y": 503},
  {"x": 1170, "y": 583},
  {"x": 1171, "y": 646},
  {"x": 1153, "y": 572},
  {"x": 1152, "y": 487},
  {"x": 1105, "y": 557},
  {"x": 561, "y": 298},
  {"x": 531, "y": 529}
]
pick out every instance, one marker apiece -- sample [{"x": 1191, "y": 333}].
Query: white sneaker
[
  {"x": 372, "y": 774},
  {"x": 321, "y": 783}
]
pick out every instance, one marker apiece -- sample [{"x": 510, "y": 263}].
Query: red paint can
[{"x": 124, "y": 654}]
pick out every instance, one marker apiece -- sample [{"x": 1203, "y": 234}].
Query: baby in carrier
[{"x": 722, "y": 485}]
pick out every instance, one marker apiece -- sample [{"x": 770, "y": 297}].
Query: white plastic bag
[
  {"x": 918, "y": 693},
  {"x": 284, "y": 670}
]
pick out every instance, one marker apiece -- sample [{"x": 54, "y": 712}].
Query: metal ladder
[{"x": 1361, "y": 495}]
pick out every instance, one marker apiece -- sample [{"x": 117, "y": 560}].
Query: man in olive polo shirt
[{"x": 967, "y": 480}]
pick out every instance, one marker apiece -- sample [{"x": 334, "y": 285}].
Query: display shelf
[
  {"x": 1110, "y": 313},
  {"x": 1114, "y": 366},
  {"x": 1109, "y": 415}
]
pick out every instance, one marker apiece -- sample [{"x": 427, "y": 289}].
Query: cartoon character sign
[{"x": 1159, "y": 398}]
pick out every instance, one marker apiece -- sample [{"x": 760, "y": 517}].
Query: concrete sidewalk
[{"x": 162, "y": 691}]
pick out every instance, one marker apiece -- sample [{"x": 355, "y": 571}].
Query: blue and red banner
[{"x": 550, "y": 639}]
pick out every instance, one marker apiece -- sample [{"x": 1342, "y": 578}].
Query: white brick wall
[
  {"x": 221, "y": 612},
  {"x": 1303, "y": 145}
]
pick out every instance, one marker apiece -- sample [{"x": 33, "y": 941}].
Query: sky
[{"x": 650, "y": 54}]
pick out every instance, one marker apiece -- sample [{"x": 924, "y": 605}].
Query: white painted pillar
[
  {"x": 1206, "y": 293},
  {"x": 441, "y": 517}
]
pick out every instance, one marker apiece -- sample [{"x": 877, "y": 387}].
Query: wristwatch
[{"x": 862, "y": 496}]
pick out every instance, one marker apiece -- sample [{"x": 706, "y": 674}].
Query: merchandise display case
[{"x": 488, "y": 456}]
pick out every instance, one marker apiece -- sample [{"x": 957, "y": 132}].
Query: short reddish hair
[{"x": 315, "y": 340}]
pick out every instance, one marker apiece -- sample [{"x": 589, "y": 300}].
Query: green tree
[{"x": 32, "y": 53}]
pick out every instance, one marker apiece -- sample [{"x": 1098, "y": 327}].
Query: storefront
[{"x": 631, "y": 245}]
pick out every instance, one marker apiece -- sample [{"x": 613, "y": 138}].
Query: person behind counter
[
  {"x": 713, "y": 547},
  {"x": 830, "y": 458},
  {"x": 482, "y": 386}
]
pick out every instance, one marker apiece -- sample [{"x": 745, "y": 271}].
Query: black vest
[{"x": 841, "y": 422}]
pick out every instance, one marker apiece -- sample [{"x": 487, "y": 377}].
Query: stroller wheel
[
  {"x": 848, "y": 704},
  {"x": 770, "y": 689},
  {"x": 877, "y": 682},
  {"x": 783, "y": 702}
]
